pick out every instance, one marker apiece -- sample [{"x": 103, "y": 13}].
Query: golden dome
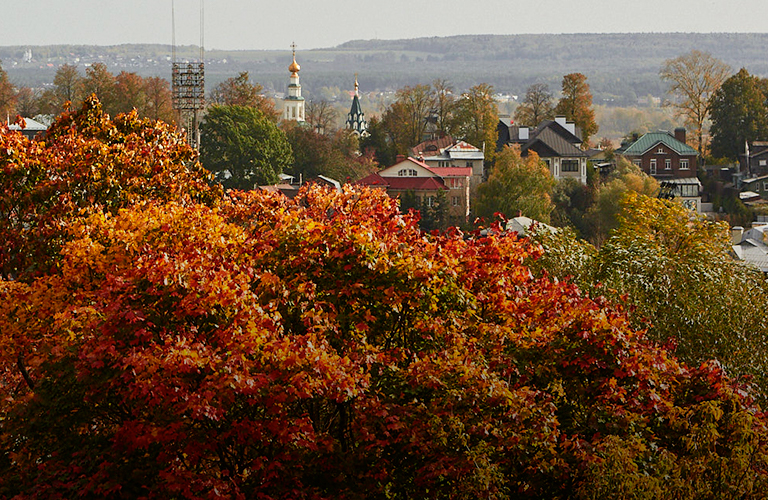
[{"x": 294, "y": 67}]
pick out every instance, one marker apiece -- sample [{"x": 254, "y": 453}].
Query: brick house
[{"x": 662, "y": 155}]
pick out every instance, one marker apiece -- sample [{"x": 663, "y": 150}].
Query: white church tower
[{"x": 294, "y": 103}]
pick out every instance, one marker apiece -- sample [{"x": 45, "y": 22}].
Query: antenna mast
[{"x": 188, "y": 86}]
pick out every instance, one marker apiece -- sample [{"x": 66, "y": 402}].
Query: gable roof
[
  {"x": 432, "y": 147},
  {"x": 651, "y": 139},
  {"x": 558, "y": 128},
  {"x": 403, "y": 183},
  {"x": 451, "y": 171},
  {"x": 556, "y": 143}
]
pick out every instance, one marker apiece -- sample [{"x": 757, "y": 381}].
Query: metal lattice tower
[{"x": 188, "y": 87}]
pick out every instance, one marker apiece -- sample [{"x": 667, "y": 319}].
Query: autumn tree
[
  {"x": 7, "y": 94},
  {"x": 406, "y": 118},
  {"x": 739, "y": 114},
  {"x": 444, "y": 107},
  {"x": 331, "y": 155},
  {"x": 85, "y": 162},
  {"x": 378, "y": 143},
  {"x": 27, "y": 102},
  {"x": 100, "y": 82},
  {"x": 243, "y": 147},
  {"x": 321, "y": 116},
  {"x": 239, "y": 91},
  {"x": 538, "y": 105},
  {"x": 159, "y": 104},
  {"x": 130, "y": 93},
  {"x": 683, "y": 285},
  {"x": 516, "y": 184},
  {"x": 322, "y": 347},
  {"x": 477, "y": 118},
  {"x": 602, "y": 216},
  {"x": 693, "y": 78},
  {"x": 576, "y": 105}
]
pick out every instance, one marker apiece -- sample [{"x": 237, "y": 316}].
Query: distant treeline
[{"x": 620, "y": 67}]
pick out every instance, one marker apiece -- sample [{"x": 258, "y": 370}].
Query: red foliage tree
[{"x": 324, "y": 348}]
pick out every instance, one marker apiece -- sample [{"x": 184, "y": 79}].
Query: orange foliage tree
[
  {"x": 86, "y": 162},
  {"x": 323, "y": 347}
]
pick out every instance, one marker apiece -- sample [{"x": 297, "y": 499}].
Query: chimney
[
  {"x": 560, "y": 120},
  {"x": 399, "y": 158},
  {"x": 736, "y": 233},
  {"x": 680, "y": 134},
  {"x": 523, "y": 134}
]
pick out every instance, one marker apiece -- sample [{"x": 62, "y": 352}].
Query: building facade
[
  {"x": 409, "y": 175},
  {"x": 293, "y": 104},
  {"x": 557, "y": 142},
  {"x": 662, "y": 155}
]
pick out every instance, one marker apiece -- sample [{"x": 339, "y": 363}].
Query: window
[
  {"x": 667, "y": 164},
  {"x": 660, "y": 150},
  {"x": 762, "y": 163},
  {"x": 765, "y": 186},
  {"x": 430, "y": 201},
  {"x": 455, "y": 201},
  {"x": 653, "y": 166},
  {"x": 469, "y": 164},
  {"x": 637, "y": 162},
  {"x": 570, "y": 165},
  {"x": 689, "y": 190},
  {"x": 407, "y": 172},
  {"x": 683, "y": 164},
  {"x": 444, "y": 164}
]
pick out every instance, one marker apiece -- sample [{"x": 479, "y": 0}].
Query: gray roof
[{"x": 556, "y": 142}]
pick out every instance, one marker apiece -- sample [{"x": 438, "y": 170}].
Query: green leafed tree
[
  {"x": 676, "y": 271},
  {"x": 576, "y": 104},
  {"x": 515, "y": 185},
  {"x": 243, "y": 147},
  {"x": 739, "y": 115}
]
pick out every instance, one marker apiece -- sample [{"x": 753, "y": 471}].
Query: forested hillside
[{"x": 621, "y": 67}]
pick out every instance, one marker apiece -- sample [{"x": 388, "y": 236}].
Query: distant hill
[{"x": 620, "y": 67}]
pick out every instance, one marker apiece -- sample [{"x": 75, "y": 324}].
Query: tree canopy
[
  {"x": 693, "y": 78},
  {"x": 243, "y": 147},
  {"x": 537, "y": 105},
  {"x": 85, "y": 162},
  {"x": 239, "y": 91},
  {"x": 739, "y": 114},
  {"x": 576, "y": 104},
  {"x": 516, "y": 184},
  {"x": 187, "y": 343}
]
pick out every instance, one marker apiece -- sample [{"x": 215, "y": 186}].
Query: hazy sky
[{"x": 272, "y": 24}]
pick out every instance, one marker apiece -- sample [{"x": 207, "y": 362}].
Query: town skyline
[{"x": 230, "y": 25}]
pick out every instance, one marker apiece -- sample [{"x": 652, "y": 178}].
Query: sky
[{"x": 273, "y": 24}]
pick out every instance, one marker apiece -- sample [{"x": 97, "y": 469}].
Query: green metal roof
[{"x": 651, "y": 139}]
